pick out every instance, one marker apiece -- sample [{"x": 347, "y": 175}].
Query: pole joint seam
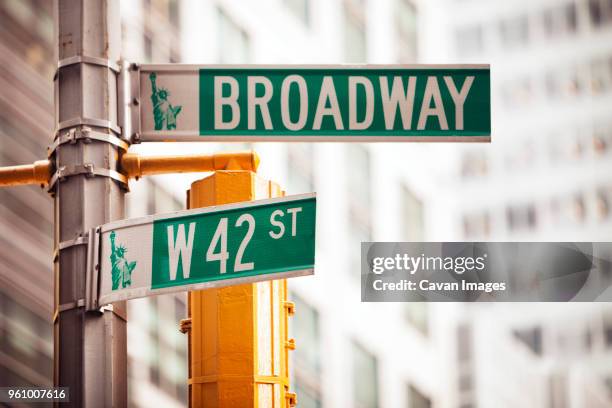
[
  {"x": 89, "y": 170},
  {"x": 71, "y": 305},
  {"x": 85, "y": 59},
  {"x": 80, "y": 240},
  {"x": 87, "y": 135}
]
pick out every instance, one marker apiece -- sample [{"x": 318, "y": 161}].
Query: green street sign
[
  {"x": 207, "y": 247},
  {"x": 396, "y": 103}
]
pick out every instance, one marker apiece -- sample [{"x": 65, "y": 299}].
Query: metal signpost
[
  {"x": 361, "y": 103},
  {"x": 204, "y": 248},
  {"x": 90, "y": 347}
]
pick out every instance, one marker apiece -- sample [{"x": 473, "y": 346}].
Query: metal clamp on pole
[
  {"x": 87, "y": 134},
  {"x": 80, "y": 240},
  {"x": 71, "y": 305},
  {"x": 89, "y": 170}
]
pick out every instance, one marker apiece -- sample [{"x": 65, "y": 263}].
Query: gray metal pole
[{"x": 90, "y": 354}]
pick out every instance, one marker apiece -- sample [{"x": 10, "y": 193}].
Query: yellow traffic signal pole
[{"x": 238, "y": 340}]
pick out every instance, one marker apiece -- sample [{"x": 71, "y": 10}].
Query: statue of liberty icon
[
  {"x": 121, "y": 268},
  {"x": 163, "y": 112}
]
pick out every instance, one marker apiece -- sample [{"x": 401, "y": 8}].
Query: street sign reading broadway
[
  {"x": 314, "y": 103},
  {"x": 207, "y": 247}
]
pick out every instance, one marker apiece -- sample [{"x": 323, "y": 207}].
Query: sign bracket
[
  {"x": 129, "y": 101},
  {"x": 92, "y": 283},
  {"x": 91, "y": 240}
]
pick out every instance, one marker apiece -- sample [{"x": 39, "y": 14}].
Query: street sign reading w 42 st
[
  {"x": 207, "y": 247},
  {"x": 313, "y": 103}
]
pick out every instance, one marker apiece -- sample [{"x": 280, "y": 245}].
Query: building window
[
  {"x": 300, "y": 162},
  {"x": 465, "y": 378},
  {"x": 602, "y": 139},
  {"x": 417, "y": 399},
  {"x": 365, "y": 378},
  {"x": 306, "y": 328},
  {"x": 608, "y": 384},
  {"x": 406, "y": 23},
  {"x": 570, "y": 15},
  {"x": 154, "y": 349},
  {"x": 519, "y": 92},
  {"x": 477, "y": 225},
  {"x": 174, "y": 13},
  {"x": 359, "y": 211},
  {"x": 597, "y": 12},
  {"x": 354, "y": 31},
  {"x": 560, "y": 20},
  {"x": 607, "y": 330},
  {"x": 601, "y": 76},
  {"x": 551, "y": 84},
  {"x": 301, "y": 9},
  {"x": 603, "y": 202},
  {"x": 159, "y": 200},
  {"x": 469, "y": 40},
  {"x": 417, "y": 315},
  {"x": 464, "y": 343},
  {"x": 514, "y": 31},
  {"x": 305, "y": 397},
  {"x": 28, "y": 339},
  {"x": 233, "y": 41},
  {"x": 521, "y": 156},
  {"x": 474, "y": 164},
  {"x": 532, "y": 338},
  {"x": 307, "y": 357},
  {"x": 148, "y": 47},
  {"x": 572, "y": 83},
  {"x": 521, "y": 217},
  {"x": 578, "y": 208},
  {"x": 558, "y": 388},
  {"x": 413, "y": 228}
]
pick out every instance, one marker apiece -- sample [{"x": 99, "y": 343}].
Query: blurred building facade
[
  {"x": 26, "y": 213},
  {"x": 547, "y": 176},
  {"x": 351, "y": 354}
]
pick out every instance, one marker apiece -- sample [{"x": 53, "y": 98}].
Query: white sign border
[
  {"x": 203, "y": 210},
  {"x": 127, "y": 294},
  {"x": 190, "y": 136}
]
